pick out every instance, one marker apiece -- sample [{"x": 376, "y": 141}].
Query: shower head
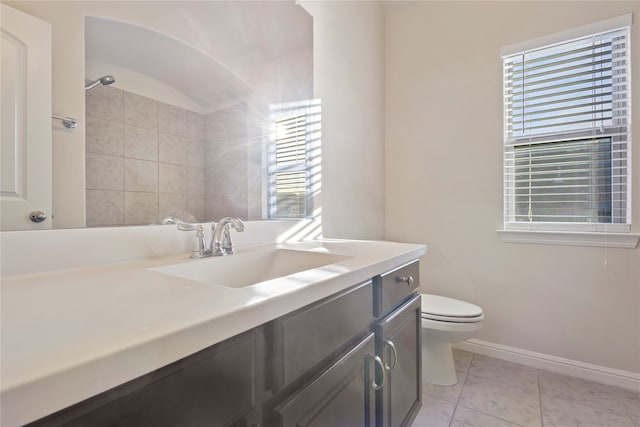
[{"x": 106, "y": 80}]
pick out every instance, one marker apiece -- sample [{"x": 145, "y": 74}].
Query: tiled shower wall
[
  {"x": 227, "y": 146},
  {"x": 145, "y": 160}
]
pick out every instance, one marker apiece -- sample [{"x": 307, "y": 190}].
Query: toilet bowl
[{"x": 445, "y": 321}]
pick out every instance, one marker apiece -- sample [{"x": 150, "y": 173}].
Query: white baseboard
[{"x": 560, "y": 365}]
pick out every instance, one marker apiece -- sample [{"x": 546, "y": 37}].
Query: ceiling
[{"x": 228, "y": 41}]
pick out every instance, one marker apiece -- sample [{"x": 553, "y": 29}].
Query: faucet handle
[
  {"x": 227, "y": 244},
  {"x": 185, "y": 226},
  {"x": 200, "y": 245}
]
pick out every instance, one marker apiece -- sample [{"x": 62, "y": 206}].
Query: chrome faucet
[{"x": 220, "y": 243}]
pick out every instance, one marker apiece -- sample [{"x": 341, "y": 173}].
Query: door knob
[{"x": 37, "y": 216}]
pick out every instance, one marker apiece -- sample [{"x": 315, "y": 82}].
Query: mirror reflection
[
  {"x": 198, "y": 109},
  {"x": 200, "y": 130}
]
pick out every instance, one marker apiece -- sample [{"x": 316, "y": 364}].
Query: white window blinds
[
  {"x": 290, "y": 163},
  {"x": 567, "y": 133}
]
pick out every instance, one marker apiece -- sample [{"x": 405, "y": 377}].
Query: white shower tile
[
  {"x": 172, "y": 205},
  {"x": 196, "y": 210},
  {"x": 105, "y": 208},
  {"x": 140, "y": 111},
  {"x": 104, "y": 137},
  {"x": 196, "y": 181},
  {"x": 104, "y": 172},
  {"x": 195, "y": 126},
  {"x": 173, "y": 178},
  {"x": 172, "y": 120},
  {"x": 196, "y": 153},
  {"x": 105, "y": 103},
  {"x": 140, "y": 208},
  {"x": 140, "y": 175},
  {"x": 173, "y": 149},
  {"x": 141, "y": 143}
]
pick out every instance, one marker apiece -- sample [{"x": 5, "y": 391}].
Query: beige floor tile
[
  {"x": 465, "y": 417},
  {"x": 632, "y": 403},
  {"x": 449, "y": 392},
  {"x": 497, "y": 369},
  {"x": 434, "y": 412},
  {"x": 559, "y": 413},
  {"x": 575, "y": 390},
  {"x": 462, "y": 359},
  {"x": 509, "y": 400}
]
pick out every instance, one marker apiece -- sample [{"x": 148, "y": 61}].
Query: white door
[{"x": 25, "y": 127}]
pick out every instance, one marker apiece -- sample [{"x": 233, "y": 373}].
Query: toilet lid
[{"x": 448, "y": 309}]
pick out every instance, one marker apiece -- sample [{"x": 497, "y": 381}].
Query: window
[
  {"x": 291, "y": 156},
  {"x": 567, "y": 135}
]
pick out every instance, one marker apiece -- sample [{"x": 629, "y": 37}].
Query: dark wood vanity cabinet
[
  {"x": 351, "y": 359},
  {"x": 398, "y": 341},
  {"x": 341, "y": 391},
  {"x": 214, "y": 387},
  {"x": 399, "y": 344}
]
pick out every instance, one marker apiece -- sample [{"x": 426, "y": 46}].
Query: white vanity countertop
[{"x": 72, "y": 334}]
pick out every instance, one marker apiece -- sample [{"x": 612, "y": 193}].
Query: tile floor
[{"x": 495, "y": 393}]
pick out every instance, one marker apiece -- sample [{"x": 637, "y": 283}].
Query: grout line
[
  {"x": 540, "y": 400},
  {"x": 464, "y": 380}
]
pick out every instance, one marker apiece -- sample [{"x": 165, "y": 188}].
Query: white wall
[
  {"x": 444, "y": 183},
  {"x": 348, "y": 70}
]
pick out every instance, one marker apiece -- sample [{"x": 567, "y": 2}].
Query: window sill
[{"x": 571, "y": 238}]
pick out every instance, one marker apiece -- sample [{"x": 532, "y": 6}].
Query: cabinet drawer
[
  {"x": 342, "y": 395},
  {"x": 307, "y": 336},
  {"x": 395, "y": 286}
]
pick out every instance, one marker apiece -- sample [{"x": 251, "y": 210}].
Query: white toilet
[{"x": 445, "y": 321}]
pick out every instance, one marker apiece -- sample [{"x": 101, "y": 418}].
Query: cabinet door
[
  {"x": 398, "y": 343},
  {"x": 343, "y": 395},
  {"x": 212, "y": 388}
]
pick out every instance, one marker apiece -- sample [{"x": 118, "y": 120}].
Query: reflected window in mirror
[{"x": 292, "y": 160}]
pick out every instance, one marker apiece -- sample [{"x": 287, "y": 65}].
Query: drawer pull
[
  {"x": 394, "y": 351},
  {"x": 375, "y": 386},
  {"x": 404, "y": 279}
]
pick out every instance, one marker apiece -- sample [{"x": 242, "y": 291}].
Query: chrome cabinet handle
[
  {"x": 394, "y": 351},
  {"x": 37, "y": 216},
  {"x": 405, "y": 279},
  {"x": 375, "y": 386}
]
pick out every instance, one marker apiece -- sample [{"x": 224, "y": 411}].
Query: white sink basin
[{"x": 246, "y": 269}]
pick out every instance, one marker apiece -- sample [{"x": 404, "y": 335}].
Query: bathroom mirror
[{"x": 182, "y": 128}]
